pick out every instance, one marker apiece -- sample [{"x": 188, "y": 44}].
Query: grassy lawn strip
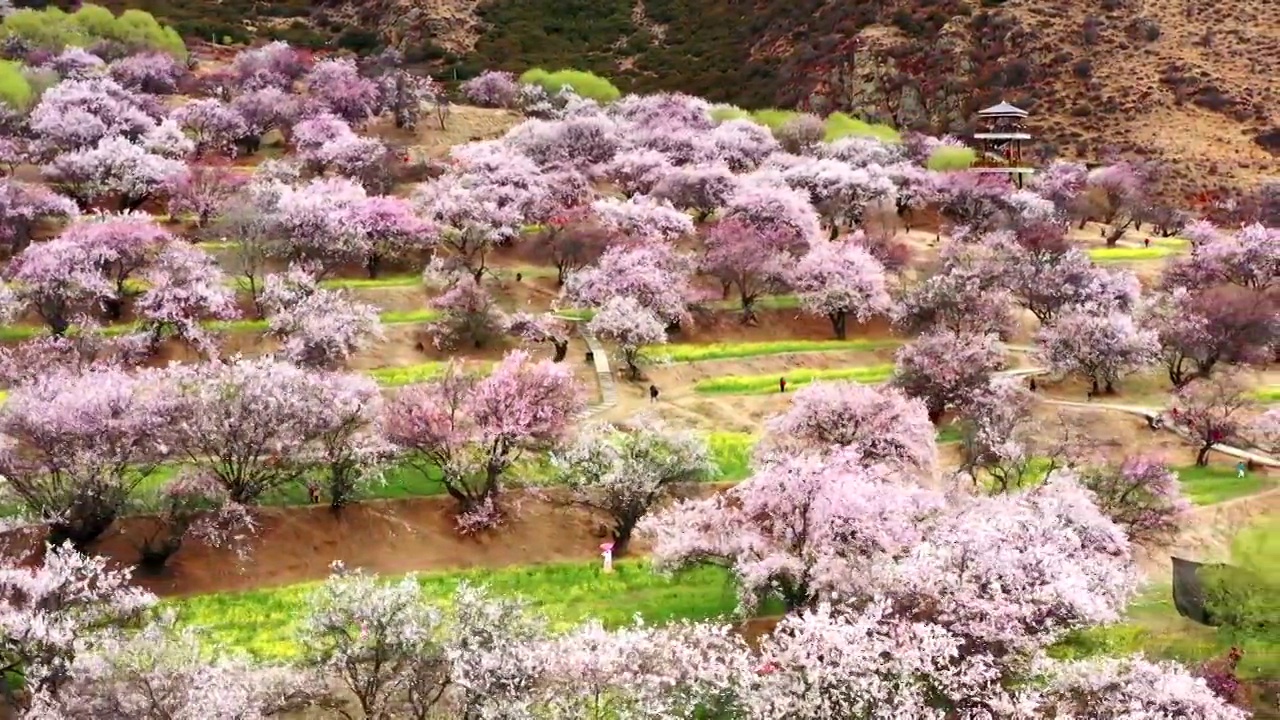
[
  {"x": 264, "y": 623},
  {"x": 760, "y": 384},
  {"x": 693, "y": 352},
  {"x": 1130, "y": 254},
  {"x": 1212, "y": 485},
  {"x": 407, "y": 375},
  {"x": 1268, "y": 394},
  {"x": 403, "y": 317}
]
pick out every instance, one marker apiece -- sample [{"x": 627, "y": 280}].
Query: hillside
[{"x": 1194, "y": 84}]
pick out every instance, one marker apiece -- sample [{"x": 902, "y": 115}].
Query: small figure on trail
[
  {"x": 1032, "y": 384},
  {"x": 782, "y": 384},
  {"x": 1240, "y": 468},
  {"x": 653, "y": 393},
  {"x": 1089, "y": 395},
  {"x": 1155, "y": 422},
  {"x": 1146, "y": 242},
  {"x": 313, "y": 492},
  {"x": 519, "y": 277}
]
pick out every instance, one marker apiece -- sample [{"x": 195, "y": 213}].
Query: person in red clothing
[{"x": 782, "y": 384}]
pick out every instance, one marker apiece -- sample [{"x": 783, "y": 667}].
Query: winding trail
[{"x": 1150, "y": 413}]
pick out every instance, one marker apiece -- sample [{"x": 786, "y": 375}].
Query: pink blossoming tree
[
  {"x": 1101, "y": 347},
  {"x": 1142, "y": 496},
  {"x": 840, "y": 281},
  {"x": 185, "y": 286},
  {"x": 80, "y": 446},
  {"x": 943, "y": 368},
  {"x": 475, "y": 429}
]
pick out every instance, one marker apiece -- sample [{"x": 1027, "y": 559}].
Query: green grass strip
[
  {"x": 407, "y": 375},
  {"x": 398, "y": 317},
  {"x": 264, "y": 623},
  {"x": 732, "y": 454},
  {"x": 693, "y": 352},
  {"x": 760, "y": 384},
  {"x": 1130, "y": 254},
  {"x": 1212, "y": 485},
  {"x": 1268, "y": 394}
]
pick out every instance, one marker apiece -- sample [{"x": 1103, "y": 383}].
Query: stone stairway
[{"x": 604, "y": 376}]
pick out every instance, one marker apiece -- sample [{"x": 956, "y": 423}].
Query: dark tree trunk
[
  {"x": 1202, "y": 456},
  {"x": 838, "y": 320},
  {"x": 372, "y": 265},
  {"x": 562, "y": 349},
  {"x": 113, "y": 308}
]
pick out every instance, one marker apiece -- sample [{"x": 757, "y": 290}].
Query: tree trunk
[
  {"x": 372, "y": 265},
  {"x": 622, "y": 536},
  {"x": 935, "y": 414},
  {"x": 1202, "y": 456},
  {"x": 838, "y": 323},
  {"x": 113, "y": 309}
]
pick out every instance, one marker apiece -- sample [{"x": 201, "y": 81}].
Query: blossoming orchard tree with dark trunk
[
  {"x": 1142, "y": 496},
  {"x": 655, "y": 275},
  {"x": 630, "y": 327},
  {"x": 571, "y": 240},
  {"x": 185, "y": 286},
  {"x": 78, "y": 447},
  {"x": 1100, "y": 346},
  {"x": 249, "y": 422},
  {"x": 750, "y": 260},
  {"x": 473, "y": 430},
  {"x": 58, "y": 279},
  {"x": 626, "y": 472},
  {"x": 319, "y": 328},
  {"x": 839, "y": 281},
  {"x": 544, "y": 328},
  {"x": 877, "y": 424},
  {"x": 25, "y": 207},
  {"x": 1213, "y": 411},
  {"x": 944, "y": 368}
]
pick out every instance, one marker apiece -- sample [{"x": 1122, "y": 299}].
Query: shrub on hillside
[
  {"x": 15, "y": 91},
  {"x": 53, "y": 29},
  {"x": 584, "y": 84},
  {"x": 840, "y": 126},
  {"x": 948, "y": 157}
]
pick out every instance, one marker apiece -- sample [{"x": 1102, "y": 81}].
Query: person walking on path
[
  {"x": 653, "y": 393},
  {"x": 1240, "y": 468},
  {"x": 782, "y": 384}
]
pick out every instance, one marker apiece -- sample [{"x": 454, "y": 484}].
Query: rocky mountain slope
[{"x": 1192, "y": 83}]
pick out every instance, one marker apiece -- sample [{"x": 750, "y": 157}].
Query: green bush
[
  {"x": 773, "y": 118},
  {"x": 840, "y": 125},
  {"x": 54, "y": 29},
  {"x": 1245, "y": 597},
  {"x": 586, "y": 84},
  {"x": 15, "y": 91},
  {"x": 951, "y": 158},
  {"x": 51, "y": 28},
  {"x": 723, "y": 113}
]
